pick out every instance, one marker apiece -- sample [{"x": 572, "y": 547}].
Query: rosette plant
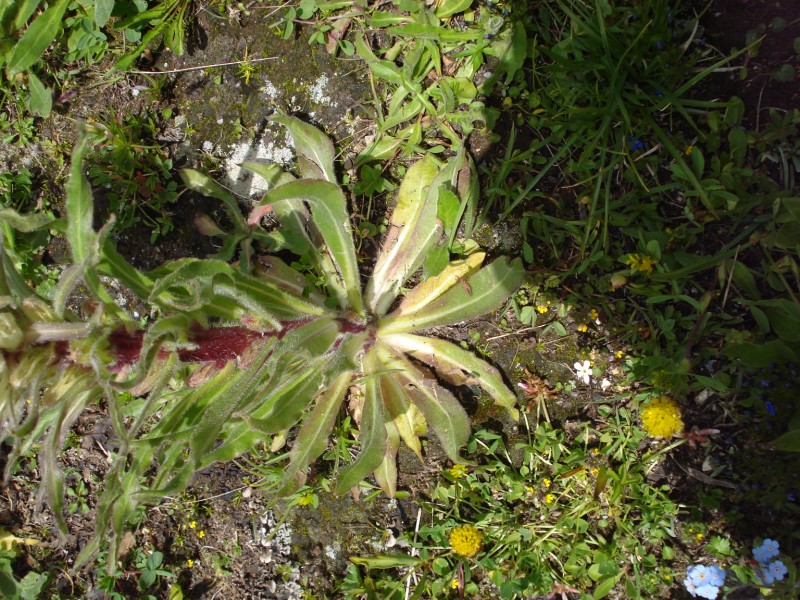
[{"x": 238, "y": 352}]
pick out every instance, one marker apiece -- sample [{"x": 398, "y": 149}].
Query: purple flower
[{"x": 768, "y": 550}]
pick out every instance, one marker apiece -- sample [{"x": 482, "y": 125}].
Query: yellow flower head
[
  {"x": 583, "y": 328},
  {"x": 641, "y": 263},
  {"x": 466, "y": 540},
  {"x": 546, "y": 482},
  {"x": 661, "y": 417},
  {"x": 454, "y": 584},
  {"x": 541, "y": 309},
  {"x": 458, "y": 471},
  {"x": 549, "y": 498}
]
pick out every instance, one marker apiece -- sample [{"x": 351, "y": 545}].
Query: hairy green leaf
[
  {"x": 37, "y": 37},
  {"x": 80, "y": 207},
  {"x": 314, "y": 149},
  {"x": 386, "y": 473},
  {"x": 202, "y": 183},
  {"x": 405, "y": 416},
  {"x": 412, "y": 231},
  {"x": 482, "y": 293},
  {"x": 432, "y": 288},
  {"x": 313, "y": 436},
  {"x": 27, "y": 222},
  {"x": 371, "y": 429},
  {"x": 41, "y": 96},
  {"x": 329, "y": 210},
  {"x": 442, "y": 355}
]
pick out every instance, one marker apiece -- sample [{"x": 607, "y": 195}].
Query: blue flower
[
  {"x": 716, "y": 576},
  {"x": 635, "y": 144},
  {"x": 708, "y": 591},
  {"x": 770, "y": 408},
  {"x": 704, "y": 581},
  {"x": 777, "y": 570},
  {"x": 768, "y": 550}
]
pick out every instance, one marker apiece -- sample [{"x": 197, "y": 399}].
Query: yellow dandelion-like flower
[
  {"x": 550, "y": 498},
  {"x": 594, "y": 314},
  {"x": 594, "y": 471},
  {"x": 190, "y": 563},
  {"x": 201, "y": 534},
  {"x": 546, "y": 482},
  {"x": 530, "y": 490},
  {"x": 192, "y": 525},
  {"x": 541, "y": 309},
  {"x": 466, "y": 540},
  {"x": 641, "y": 263},
  {"x": 454, "y": 584},
  {"x": 661, "y": 417},
  {"x": 698, "y": 536},
  {"x": 458, "y": 471},
  {"x": 583, "y": 328}
]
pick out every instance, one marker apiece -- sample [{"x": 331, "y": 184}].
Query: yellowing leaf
[
  {"x": 433, "y": 287},
  {"x": 7, "y": 540}
]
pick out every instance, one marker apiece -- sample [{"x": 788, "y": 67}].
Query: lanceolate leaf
[
  {"x": 195, "y": 285},
  {"x": 329, "y": 210},
  {"x": 458, "y": 176},
  {"x": 403, "y": 414},
  {"x": 440, "y": 354},
  {"x": 371, "y": 429},
  {"x": 444, "y": 414},
  {"x": 313, "y": 437},
  {"x": 11, "y": 282},
  {"x": 217, "y": 414},
  {"x": 80, "y": 207},
  {"x": 386, "y": 473},
  {"x": 432, "y": 288},
  {"x": 482, "y": 293},
  {"x": 272, "y": 173},
  {"x": 200, "y": 182},
  {"x": 412, "y": 231},
  {"x": 39, "y": 35},
  {"x": 276, "y": 272},
  {"x": 41, "y": 96},
  {"x": 112, "y": 263},
  {"x": 314, "y": 149}
]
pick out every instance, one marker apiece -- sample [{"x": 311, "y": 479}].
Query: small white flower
[
  {"x": 583, "y": 371},
  {"x": 605, "y": 384}
]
